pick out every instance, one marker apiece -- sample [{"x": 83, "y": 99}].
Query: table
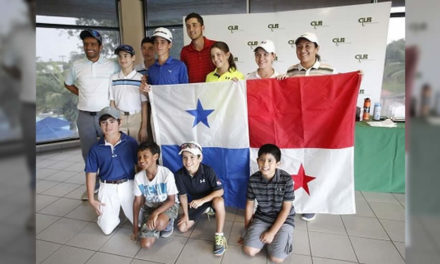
[{"x": 379, "y": 158}]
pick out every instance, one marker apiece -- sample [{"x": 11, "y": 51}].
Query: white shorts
[{"x": 115, "y": 196}]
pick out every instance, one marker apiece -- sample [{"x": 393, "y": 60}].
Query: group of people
[{"x": 122, "y": 166}]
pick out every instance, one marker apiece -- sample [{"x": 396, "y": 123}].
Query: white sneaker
[{"x": 85, "y": 196}]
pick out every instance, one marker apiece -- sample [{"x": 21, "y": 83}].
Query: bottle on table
[{"x": 367, "y": 104}]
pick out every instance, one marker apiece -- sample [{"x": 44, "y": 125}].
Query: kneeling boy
[
  {"x": 200, "y": 182},
  {"x": 154, "y": 186},
  {"x": 272, "y": 224}
]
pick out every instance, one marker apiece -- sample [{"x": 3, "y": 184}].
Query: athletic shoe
[
  {"x": 168, "y": 230},
  {"x": 220, "y": 245},
  {"x": 85, "y": 196},
  {"x": 308, "y": 217},
  {"x": 209, "y": 212}
]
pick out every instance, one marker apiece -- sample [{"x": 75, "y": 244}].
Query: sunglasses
[{"x": 190, "y": 145}]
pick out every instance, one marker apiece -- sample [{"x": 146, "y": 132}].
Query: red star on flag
[{"x": 302, "y": 180}]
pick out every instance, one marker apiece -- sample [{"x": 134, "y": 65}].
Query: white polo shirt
[
  {"x": 124, "y": 90},
  {"x": 92, "y": 80},
  {"x": 254, "y": 75}
]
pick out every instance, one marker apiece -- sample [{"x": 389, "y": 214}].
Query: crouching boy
[
  {"x": 272, "y": 224},
  {"x": 155, "y": 188},
  {"x": 114, "y": 157}
]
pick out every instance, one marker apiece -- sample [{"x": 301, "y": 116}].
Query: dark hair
[
  {"x": 152, "y": 146},
  {"x": 194, "y": 15},
  {"x": 270, "y": 149},
  {"x": 147, "y": 40},
  {"x": 224, "y": 47},
  {"x": 106, "y": 116}
]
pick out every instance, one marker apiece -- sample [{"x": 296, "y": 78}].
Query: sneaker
[
  {"x": 209, "y": 212},
  {"x": 168, "y": 230},
  {"x": 308, "y": 217},
  {"x": 85, "y": 196},
  {"x": 220, "y": 245}
]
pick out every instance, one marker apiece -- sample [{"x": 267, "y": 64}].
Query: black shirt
[{"x": 204, "y": 182}]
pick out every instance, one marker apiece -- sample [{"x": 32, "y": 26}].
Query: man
[
  {"x": 89, "y": 79},
  {"x": 200, "y": 183},
  {"x": 166, "y": 70},
  {"x": 147, "y": 47},
  {"x": 196, "y": 55},
  {"x": 114, "y": 156}
]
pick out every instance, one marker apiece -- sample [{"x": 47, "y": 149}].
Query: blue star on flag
[{"x": 200, "y": 114}]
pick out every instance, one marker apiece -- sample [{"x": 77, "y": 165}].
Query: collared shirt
[
  {"x": 317, "y": 68},
  {"x": 92, "y": 80},
  {"x": 255, "y": 75},
  {"x": 113, "y": 162},
  {"x": 124, "y": 90},
  {"x": 270, "y": 195},
  {"x": 171, "y": 72},
  {"x": 227, "y": 76},
  {"x": 203, "y": 183},
  {"x": 199, "y": 63}
]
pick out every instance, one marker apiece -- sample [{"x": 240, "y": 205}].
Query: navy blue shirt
[
  {"x": 113, "y": 163},
  {"x": 171, "y": 72},
  {"x": 203, "y": 183}
]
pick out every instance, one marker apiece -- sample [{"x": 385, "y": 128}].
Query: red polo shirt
[{"x": 199, "y": 63}]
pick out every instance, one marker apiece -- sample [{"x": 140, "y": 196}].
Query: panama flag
[
  {"x": 215, "y": 116},
  {"x": 312, "y": 120}
]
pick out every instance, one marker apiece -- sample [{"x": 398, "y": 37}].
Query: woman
[
  {"x": 224, "y": 62},
  {"x": 307, "y": 48},
  {"x": 264, "y": 57}
]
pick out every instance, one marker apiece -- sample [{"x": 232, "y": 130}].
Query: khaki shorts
[
  {"x": 282, "y": 244},
  {"x": 172, "y": 213}
]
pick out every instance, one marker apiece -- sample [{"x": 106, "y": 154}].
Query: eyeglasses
[{"x": 190, "y": 145}]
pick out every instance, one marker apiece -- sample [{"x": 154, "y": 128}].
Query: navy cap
[
  {"x": 126, "y": 48},
  {"x": 91, "y": 33}
]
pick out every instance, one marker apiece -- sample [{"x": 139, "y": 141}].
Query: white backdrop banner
[{"x": 351, "y": 38}]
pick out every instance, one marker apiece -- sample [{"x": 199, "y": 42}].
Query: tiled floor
[{"x": 67, "y": 232}]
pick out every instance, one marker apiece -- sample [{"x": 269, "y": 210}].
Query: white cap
[
  {"x": 267, "y": 45},
  {"x": 309, "y": 36},
  {"x": 192, "y": 147},
  {"x": 163, "y": 33}
]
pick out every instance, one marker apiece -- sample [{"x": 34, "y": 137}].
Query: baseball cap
[
  {"x": 126, "y": 48},
  {"x": 108, "y": 110},
  {"x": 192, "y": 147},
  {"x": 267, "y": 45},
  {"x": 309, "y": 36},
  {"x": 163, "y": 33},
  {"x": 91, "y": 33}
]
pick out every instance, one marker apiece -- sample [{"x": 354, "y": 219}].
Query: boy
[
  {"x": 114, "y": 156},
  {"x": 165, "y": 70},
  {"x": 147, "y": 47},
  {"x": 154, "y": 186},
  {"x": 200, "y": 182},
  {"x": 272, "y": 224},
  {"x": 126, "y": 96}
]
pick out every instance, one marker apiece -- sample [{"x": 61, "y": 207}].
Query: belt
[
  {"x": 90, "y": 113},
  {"x": 115, "y": 181}
]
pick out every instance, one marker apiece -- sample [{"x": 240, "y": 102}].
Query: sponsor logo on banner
[
  {"x": 233, "y": 28},
  {"x": 417, "y": 27},
  {"x": 291, "y": 42},
  {"x": 252, "y": 44},
  {"x": 361, "y": 91},
  {"x": 316, "y": 23},
  {"x": 273, "y": 27},
  {"x": 361, "y": 57},
  {"x": 338, "y": 41},
  {"x": 365, "y": 20}
]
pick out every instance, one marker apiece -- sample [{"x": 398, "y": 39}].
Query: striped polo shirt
[
  {"x": 124, "y": 90},
  {"x": 270, "y": 195},
  {"x": 317, "y": 69}
]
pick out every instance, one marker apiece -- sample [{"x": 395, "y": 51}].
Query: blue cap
[
  {"x": 91, "y": 33},
  {"x": 126, "y": 48}
]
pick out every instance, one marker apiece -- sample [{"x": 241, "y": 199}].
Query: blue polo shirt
[
  {"x": 171, "y": 72},
  {"x": 204, "y": 182},
  {"x": 113, "y": 162}
]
